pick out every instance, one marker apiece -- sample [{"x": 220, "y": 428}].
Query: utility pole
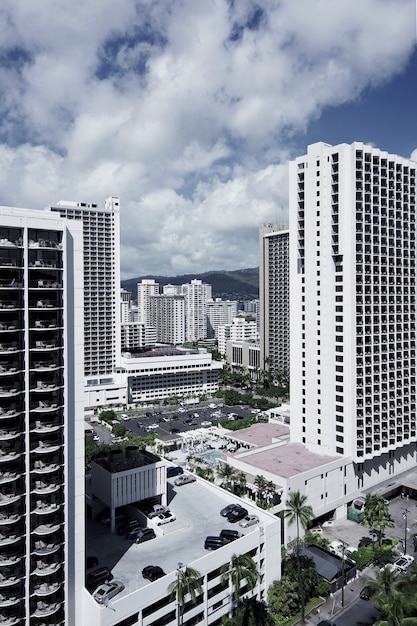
[
  {"x": 405, "y": 514},
  {"x": 344, "y": 546}
]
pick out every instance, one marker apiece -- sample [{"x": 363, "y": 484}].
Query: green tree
[
  {"x": 241, "y": 568},
  {"x": 227, "y": 473},
  {"x": 185, "y": 588},
  {"x": 301, "y": 513},
  {"x": 392, "y": 607},
  {"x": 376, "y": 514}
]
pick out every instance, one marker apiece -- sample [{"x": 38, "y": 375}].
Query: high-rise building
[
  {"x": 274, "y": 296},
  {"x": 219, "y": 312},
  {"x": 196, "y": 295},
  {"x": 101, "y": 228},
  {"x": 353, "y": 285},
  {"x": 167, "y": 315},
  {"x": 146, "y": 289},
  {"x": 41, "y": 424}
]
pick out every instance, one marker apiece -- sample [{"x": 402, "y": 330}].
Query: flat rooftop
[
  {"x": 197, "y": 509},
  {"x": 284, "y": 459},
  {"x": 261, "y": 434}
]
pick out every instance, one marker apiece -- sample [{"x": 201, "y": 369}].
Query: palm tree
[
  {"x": 241, "y": 480},
  {"x": 392, "y": 607},
  {"x": 241, "y": 567},
  {"x": 302, "y": 514},
  {"x": 227, "y": 473},
  {"x": 376, "y": 514},
  {"x": 187, "y": 585}
]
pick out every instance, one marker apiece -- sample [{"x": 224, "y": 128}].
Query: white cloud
[{"x": 181, "y": 108}]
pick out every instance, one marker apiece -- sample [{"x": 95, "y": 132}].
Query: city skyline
[{"x": 192, "y": 114}]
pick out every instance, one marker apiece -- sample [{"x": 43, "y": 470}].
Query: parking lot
[
  {"x": 197, "y": 512},
  {"x": 351, "y": 532}
]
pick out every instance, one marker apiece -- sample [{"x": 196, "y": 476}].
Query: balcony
[
  {"x": 7, "y": 435},
  {"x": 43, "y": 609},
  {"x": 9, "y": 540},
  {"x": 44, "y": 366},
  {"x": 44, "y": 345},
  {"x": 42, "y": 487},
  {"x": 39, "y": 467},
  {"x": 8, "y": 392},
  {"x": 9, "y": 620},
  {"x": 11, "y": 518},
  {"x": 46, "y": 589},
  {"x": 8, "y": 600},
  {"x": 12, "y": 411},
  {"x": 41, "y": 427},
  {"x": 45, "y": 569},
  {"x": 46, "y": 447},
  {"x": 8, "y": 498},
  {"x": 44, "y": 508},
  {"x": 8, "y": 348},
  {"x": 8, "y": 477},
  {"x": 9, "y": 455},
  {"x": 44, "y": 324},
  {"x": 45, "y": 407},
  {"x": 42, "y": 548}
]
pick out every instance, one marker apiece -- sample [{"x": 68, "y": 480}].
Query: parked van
[{"x": 213, "y": 543}]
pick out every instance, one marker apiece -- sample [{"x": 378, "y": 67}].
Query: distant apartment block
[
  {"x": 167, "y": 315},
  {"x": 240, "y": 330},
  {"x": 146, "y": 289},
  {"x": 274, "y": 291},
  {"x": 219, "y": 312},
  {"x": 196, "y": 294}
]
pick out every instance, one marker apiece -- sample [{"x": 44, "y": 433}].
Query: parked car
[
  {"x": 164, "y": 518},
  {"x": 184, "y": 479},
  {"x": 144, "y": 534},
  {"x": 230, "y": 535},
  {"x": 127, "y": 526},
  {"x": 132, "y": 532},
  {"x": 236, "y": 515},
  {"x": 153, "y": 572},
  {"x": 98, "y": 577},
  {"x": 105, "y": 517},
  {"x": 157, "y": 509},
  {"x": 206, "y": 423},
  {"x": 403, "y": 562},
  {"x": 325, "y": 622},
  {"x": 213, "y": 543},
  {"x": 364, "y": 541},
  {"x": 392, "y": 568},
  {"x": 173, "y": 470},
  {"x": 249, "y": 520},
  {"x": 366, "y": 593},
  {"x": 91, "y": 561},
  {"x": 229, "y": 508},
  {"x": 106, "y": 592}
]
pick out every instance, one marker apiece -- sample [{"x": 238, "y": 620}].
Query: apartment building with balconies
[{"x": 41, "y": 426}]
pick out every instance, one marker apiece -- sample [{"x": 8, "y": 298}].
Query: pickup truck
[{"x": 157, "y": 509}]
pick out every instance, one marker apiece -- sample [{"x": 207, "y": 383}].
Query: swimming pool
[{"x": 213, "y": 455}]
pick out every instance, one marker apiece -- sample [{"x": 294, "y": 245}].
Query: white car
[
  {"x": 392, "y": 568},
  {"x": 249, "y": 520},
  {"x": 206, "y": 423},
  {"x": 107, "y": 591},
  {"x": 403, "y": 562},
  {"x": 164, "y": 518},
  {"x": 184, "y": 479}
]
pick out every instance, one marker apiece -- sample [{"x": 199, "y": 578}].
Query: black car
[
  {"x": 132, "y": 524},
  {"x": 174, "y": 431},
  {"x": 132, "y": 532},
  {"x": 325, "y": 622},
  {"x": 98, "y": 577},
  {"x": 144, "y": 534},
  {"x": 364, "y": 541},
  {"x": 230, "y": 535},
  {"x": 366, "y": 593},
  {"x": 229, "y": 508},
  {"x": 237, "y": 515},
  {"x": 153, "y": 572},
  {"x": 172, "y": 470}
]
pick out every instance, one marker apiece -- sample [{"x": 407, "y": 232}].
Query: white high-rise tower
[
  {"x": 101, "y": 229},
  {"x": 41, "y": 418},
  {"x": 353, "y": 285}
]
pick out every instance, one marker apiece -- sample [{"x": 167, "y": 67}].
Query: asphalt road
[{"x": 359, "y": 613}]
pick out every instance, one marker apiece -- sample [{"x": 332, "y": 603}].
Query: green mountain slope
[{"x": 232, "y": 285}]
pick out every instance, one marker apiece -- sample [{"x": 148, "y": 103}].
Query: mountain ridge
[{"x": 226, "y": 284}]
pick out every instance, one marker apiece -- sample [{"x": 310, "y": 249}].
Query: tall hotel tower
[
  {"x": 353, "y": 291},
  {"x": 101, "y": 231},
  {"x": 274, "y": 296},
  {"x": 41, "y": 425}
]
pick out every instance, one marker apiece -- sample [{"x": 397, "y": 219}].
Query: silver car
[
  {"x": 184, "y": 479},
  {"x": 106, "y": 592},
  {"x": 249, "y": 520}
]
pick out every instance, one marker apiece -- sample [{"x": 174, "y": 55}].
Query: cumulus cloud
[{"x": 184, "y": 109}]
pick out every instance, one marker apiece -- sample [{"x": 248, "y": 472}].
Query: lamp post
[
  {"x": 179, "y": 573},
  {"x": 405, "y": 514},
  {"x": 344, "y": 546}
]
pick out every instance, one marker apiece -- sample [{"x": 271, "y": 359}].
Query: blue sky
[{"x": 190, "y": 111}]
